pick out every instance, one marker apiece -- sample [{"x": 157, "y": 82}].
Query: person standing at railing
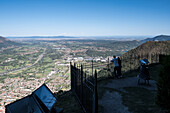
[
  {"x": 116, "y": 66},
  {"x": 120, "y": 66}
]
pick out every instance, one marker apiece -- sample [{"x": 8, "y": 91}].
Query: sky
[{"x": 84, "y": 17}]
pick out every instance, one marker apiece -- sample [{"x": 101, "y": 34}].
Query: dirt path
[{"x": 112, "y": 102}]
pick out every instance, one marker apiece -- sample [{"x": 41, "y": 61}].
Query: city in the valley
[{"x": 28, "y": 64}]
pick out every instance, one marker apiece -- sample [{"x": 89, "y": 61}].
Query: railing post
[
  {"x": 71, "y": 77},
  {"x": 108, "y": 66},
  {"x": 130, "y": 63},
  {"x": 92, "y": 67},
  {"x": 85, "y": 77},
  {"x": 82, "y": 94},
  {"x": 95, "y": 108},
  {"x": 74, "y": 64},
  {"x": 75, "y": 78}
]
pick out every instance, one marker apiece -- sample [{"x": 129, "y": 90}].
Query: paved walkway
[{"x": 112, "y": 102}]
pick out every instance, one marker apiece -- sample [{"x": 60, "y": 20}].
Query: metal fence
[
  {"x": 84, "y": 88},
  {"x": 84, "y": 83}
]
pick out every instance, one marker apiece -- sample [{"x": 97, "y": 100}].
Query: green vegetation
[
  {"x": 95, "y": 48},
  {"x": 15, "y": 58},
  {"x": 149, "y": 50}
]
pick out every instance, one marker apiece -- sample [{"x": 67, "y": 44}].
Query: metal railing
[
  {"x": 84, "y": 87},
  {"x": 84, "y": 78}
]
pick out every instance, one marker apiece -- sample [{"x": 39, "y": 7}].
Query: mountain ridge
[
  {"x": 4, "y": 42},
  {"x": 157, "y": 38},
  {"x": 32, "y": 37}
]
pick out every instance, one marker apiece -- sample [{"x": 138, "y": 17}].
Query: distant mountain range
[
  {"x": 157, "y": 38},
  {"x": 35, "y": 37},
  {"x": 4, "y": 42}
]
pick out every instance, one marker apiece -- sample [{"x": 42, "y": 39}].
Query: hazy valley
[{"x": 27, "y": 64}]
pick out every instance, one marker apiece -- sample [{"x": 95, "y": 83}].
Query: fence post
[
  {"x": 108, "y": 67},
  {"x": 82, "y": 84},
  {"x": 95, "y": 108},
  {"x": 74, "y": 78},
  {"x": 130, "y": 63},
  {"x": 85, "y": 77},
  {"x": 71, "y": 77},
  {"x": 92, "y": 67}
]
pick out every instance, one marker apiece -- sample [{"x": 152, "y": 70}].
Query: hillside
[
  {"x": 156, "y": 38},
  {"x": 161, "y": 47},
  {"x": 150, "y": 50},
  {"x": 4, "y": 42},
  {"x": 111, "y": 47}
]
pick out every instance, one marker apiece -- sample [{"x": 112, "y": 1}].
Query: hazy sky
[{"x": 84, "y": 17}]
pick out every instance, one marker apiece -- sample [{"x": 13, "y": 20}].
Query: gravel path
[{"x": 112, "y": 102}]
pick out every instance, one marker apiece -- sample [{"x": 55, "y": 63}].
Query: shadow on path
[{"x": 111, "y": 101}]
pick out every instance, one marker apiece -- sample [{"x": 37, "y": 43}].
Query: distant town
[{"x": 27, "y": 65}]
